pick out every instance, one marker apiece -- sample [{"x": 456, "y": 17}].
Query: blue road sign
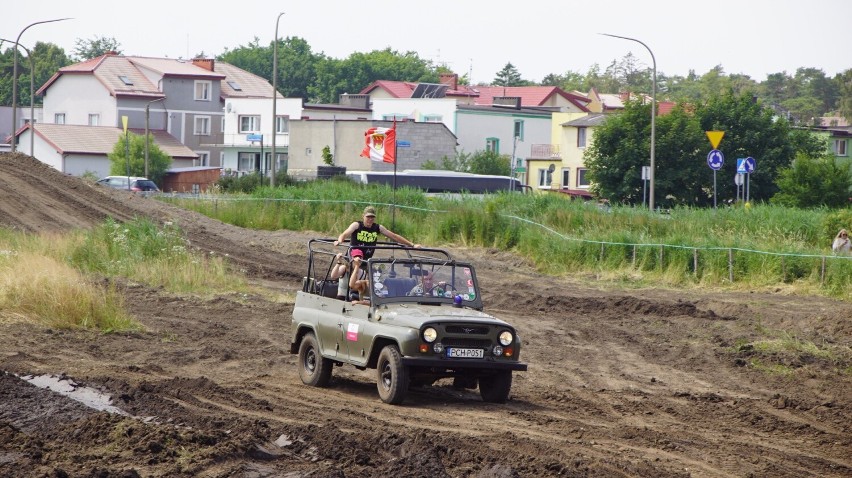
[
  {"x": 715, "y": 159},
  {"x": 741, "y": 165},
  {"x": 254, "y": 137},
  {"x": 750, "y": 164},
  {"x": 403, "y": 144}
]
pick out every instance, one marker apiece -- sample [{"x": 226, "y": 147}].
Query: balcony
[{"x": 545, "y": 151}]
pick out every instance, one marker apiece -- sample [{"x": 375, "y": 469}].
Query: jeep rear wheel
[
  {"x": 314, "y": 369},
  {"x": 495, "y": 388},
  {"x": 391, "y": 376}
]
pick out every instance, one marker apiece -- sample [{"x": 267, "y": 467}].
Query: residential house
[
  {"x": 80, "y": 149},
  {"x": 185, "y": 98},
  {"x": 533, "y": 96}
]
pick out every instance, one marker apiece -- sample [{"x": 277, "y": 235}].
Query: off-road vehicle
[{"x": 424, "y": 322}]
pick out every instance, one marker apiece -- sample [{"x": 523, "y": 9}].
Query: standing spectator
[
  {"x": 366, "y": 233},
  {"x": 841, "y": 243}
]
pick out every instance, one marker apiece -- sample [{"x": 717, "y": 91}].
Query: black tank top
[{"x": 365, "y": 236}]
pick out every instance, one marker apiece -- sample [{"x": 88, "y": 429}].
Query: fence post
[
  {"x": 602, "y": 252},
  {"x": 783, "y": 269},
  {"x": 731, "y": 265},
  {"x": 695, "y": 262},
  {"x": 661, "y": 257},
  {"x": 634, "y": 256},
  {"x": 822, "y": 275}
]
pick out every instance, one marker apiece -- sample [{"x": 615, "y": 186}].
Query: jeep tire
[
  {"x": 314, "y": 369},
  {"x": 391, "y": 376},
  {"x": 495, "y": 388}
]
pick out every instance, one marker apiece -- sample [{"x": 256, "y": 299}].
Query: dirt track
[{"x": 621, "y": 382}]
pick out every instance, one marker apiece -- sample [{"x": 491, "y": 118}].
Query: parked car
[
  {"x": 137, "y": 184},
  {"x": 424, "y": 323}
]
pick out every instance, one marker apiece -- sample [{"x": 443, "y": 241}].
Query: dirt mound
[{"x": 651, "y": 382}]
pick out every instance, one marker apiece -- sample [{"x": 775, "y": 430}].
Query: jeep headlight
[
  {"x": 506, "y": 338},
  {"x": 430, "y": 334}
]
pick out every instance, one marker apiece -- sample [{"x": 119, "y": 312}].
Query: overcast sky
[{"x": 751, "y": 37}]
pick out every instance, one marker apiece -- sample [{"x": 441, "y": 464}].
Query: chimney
[
  {"x": 451, "y": 79},
  {"x": 206, "y": 63}
]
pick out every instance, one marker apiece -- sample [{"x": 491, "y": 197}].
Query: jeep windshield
[{"x": 401, "y": 274}]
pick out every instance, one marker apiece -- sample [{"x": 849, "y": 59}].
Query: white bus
[{"x": 440, "y": 181}]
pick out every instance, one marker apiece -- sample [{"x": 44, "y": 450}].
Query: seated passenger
[{"x": 358, "y": 281}]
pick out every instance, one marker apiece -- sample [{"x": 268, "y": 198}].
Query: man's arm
[
  {"x": 348, "y": 232},
  {"x": 396, "y": 237}
]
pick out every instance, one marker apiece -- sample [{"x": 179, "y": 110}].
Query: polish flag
[{"x": 380, "y": 144}]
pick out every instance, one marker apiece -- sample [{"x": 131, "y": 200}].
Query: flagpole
[{"x": 395, "y": 160}]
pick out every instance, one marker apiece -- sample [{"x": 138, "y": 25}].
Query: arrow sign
[
  {"x": 750, "y": 164},
  {"x": 715, "y": 159},
  {"x": 715, "y": 137}
]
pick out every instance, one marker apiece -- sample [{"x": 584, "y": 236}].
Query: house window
[
  {"x": 432, "y": 118},
  {"x": 545, "y": 178},
  {"x": 125, "y": 80},
  {"x": 203, "y": 158},
  {"x": 249, "y": 124},
  {"x": 202, "y": 125},
  {"x": 94, "y": 120},
  {"x": 282, "y": 124},
  {"x": 582, "y": 179},
  {"x": 247, "y": 162},
  {"x": 492, "y": 144},
  {"x": 566, "y": 178},
  {"x": 581, "y": 137},
  {"x": 222, "y": 125},
  {"x": 235, "y": 85},
  {"x": 59, "y": 118},
  {"x": 840, "y": 147},
  {"x": 519, "y": 129},
  {"x": 202, "y": 90}
]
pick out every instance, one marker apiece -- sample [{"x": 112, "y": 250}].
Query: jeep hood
[{"x": 414, "y": 315}]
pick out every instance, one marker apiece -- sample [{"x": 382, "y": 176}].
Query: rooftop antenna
[{"x": 470, "y": 73}]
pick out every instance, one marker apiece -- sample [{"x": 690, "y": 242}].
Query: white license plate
[{"x": 465, "y": 353}]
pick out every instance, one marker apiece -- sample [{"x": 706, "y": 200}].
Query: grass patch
[
  {"x": 766, "y": 247},
  {"x": 41, "y": 288}
]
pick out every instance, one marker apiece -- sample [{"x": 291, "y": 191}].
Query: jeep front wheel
[
  {"x": 314, "y": 369},
  {"x": 392, "y": 376},
  {"x": 495, "y": 388}
]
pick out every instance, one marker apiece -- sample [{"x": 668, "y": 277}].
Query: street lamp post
[
  {"x": 147, "y": 115},
  {"x": 653, "y": 113},
  {"x": 275, "y": 99},
  {"x": 15, "y": 78},
  {"x": 32, "y": 99}
]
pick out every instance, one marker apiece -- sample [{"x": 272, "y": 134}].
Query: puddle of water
[{"x": 85, "y": 395}]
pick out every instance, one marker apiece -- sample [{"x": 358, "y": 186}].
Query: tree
[
  {"x": 158, "y": 161},
  {"x": 814, "y": 182},
  {"x": 47, "y": 58},
  {"x": 335, "y": 77},
  {"x": 508, "y": 76},
  {"x": 97, "y": 46},
  {"x": 620, "y": 148},
  {"x": 490, "y": 162},
  {"x": 845, "y": 92}
]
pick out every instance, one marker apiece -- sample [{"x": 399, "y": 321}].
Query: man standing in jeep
[{"x": 366, "y": 233}]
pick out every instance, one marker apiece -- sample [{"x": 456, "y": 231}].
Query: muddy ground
[{"x": 621, "y": 382}]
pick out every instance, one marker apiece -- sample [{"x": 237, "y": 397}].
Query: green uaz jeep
[{"x": 420, "y": 320}]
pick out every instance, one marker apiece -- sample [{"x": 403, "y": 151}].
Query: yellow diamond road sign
[{"x": 715, "y": 137}]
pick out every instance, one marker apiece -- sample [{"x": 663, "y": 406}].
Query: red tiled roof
[
  {"x": 403, "y": 89},
  {"x": 530, "y": 95}
]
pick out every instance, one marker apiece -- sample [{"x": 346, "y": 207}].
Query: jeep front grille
[
  {"x": 467, "y": 330},
  {"x": 466, "y": 342}
]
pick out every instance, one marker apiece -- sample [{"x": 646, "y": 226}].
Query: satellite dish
[
  {"x": 228, "y": 107},
  {"x": 551, "y": 168}
]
